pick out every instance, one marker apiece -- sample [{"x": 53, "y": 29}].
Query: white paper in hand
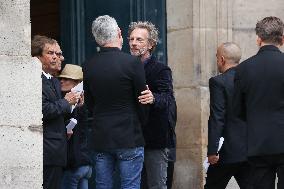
[
  {"x": 77, "y": 89},
  {"x": 206, "y": 163},
  {"x": 71, "y": 125}
]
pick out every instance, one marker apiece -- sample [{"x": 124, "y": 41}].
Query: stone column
[
  {"x": 20, "y": 100},
  {"x": 195, "y": 28},
  {"x": 245, "y": 16}
]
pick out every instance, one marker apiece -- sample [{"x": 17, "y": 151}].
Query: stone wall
[
  {"x": 195, "y": 29},
  {"x": 245, "y": 16},
  {"x": 20, "y": 100}
]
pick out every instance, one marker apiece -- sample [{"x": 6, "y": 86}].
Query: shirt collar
[
  {"x": 269, "y": 48},
  {"x": 106, "y": 49},
  {"x": 47, "y": 75}
]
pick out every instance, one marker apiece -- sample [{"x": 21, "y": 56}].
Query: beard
[{"x": 139, "y": 52}]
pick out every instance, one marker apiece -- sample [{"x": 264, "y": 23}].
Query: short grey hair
[
  {"x": 104, "y": 29},
  {"x": 152, "y": 31},
  {"x": 232, "y": 52}
]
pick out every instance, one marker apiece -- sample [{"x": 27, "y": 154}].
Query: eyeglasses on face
[{"x": 51, "y": 53}]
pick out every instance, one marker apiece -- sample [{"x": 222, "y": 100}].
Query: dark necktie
[{"x": 54, "y": 84}]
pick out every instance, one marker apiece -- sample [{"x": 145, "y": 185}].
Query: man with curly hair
[{"x": 158, "y": 131}]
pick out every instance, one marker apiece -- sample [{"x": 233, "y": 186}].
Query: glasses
[{"x": 51, "y": 53}]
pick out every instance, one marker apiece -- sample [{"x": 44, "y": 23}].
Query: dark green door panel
[{"x": 77, "y": 16}]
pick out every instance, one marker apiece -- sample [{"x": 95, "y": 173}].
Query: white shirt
[{"x": 47, "y": 75}]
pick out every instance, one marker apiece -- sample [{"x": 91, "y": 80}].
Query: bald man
[{"x": 231, "y": 159}]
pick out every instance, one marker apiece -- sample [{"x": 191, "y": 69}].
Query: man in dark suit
[
  {"x": 259, "y": 100},
  {"x": 53, "y": 110},
  {"x": 231, "y": 159},
  {"x": 113, "y": 80},
  {"x": 159, "y": 130}
]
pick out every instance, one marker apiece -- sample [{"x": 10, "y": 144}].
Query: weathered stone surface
[
  {"x": 187, "y": 170},
  {"x": 192, "y": 57},
  {"x": 20, "y": 94},
  {"x": 180, "y": 12},
  {"x": 188, "y": 102},
  {"x": 180, "y": 58},
  {"x": 20, "y": 100},
  {"x": 21, "y": 157},
  {"x": 205, "y": 111},
  {"x": 15, "y": 27},
  {"x": 247, "y": 13},
  {"x": 245, "y": 16}
]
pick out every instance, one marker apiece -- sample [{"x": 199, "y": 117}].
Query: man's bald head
[
  {"x": 228, "y": 54},
  {"x": 231, "y": 51}
]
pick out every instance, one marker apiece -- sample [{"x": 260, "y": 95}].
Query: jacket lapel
[
  {"x": 56, "y": 85},
  {"x": 49, "y": 84}
]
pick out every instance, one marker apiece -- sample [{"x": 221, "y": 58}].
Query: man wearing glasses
[{"x": 54, "y": 108}]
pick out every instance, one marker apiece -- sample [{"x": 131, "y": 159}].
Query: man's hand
[
  {"x": 69, "y": 134},
  {"x": 81, "y": 100},
  {"x": 213, "y": 159},
  {"x": 146, "y": 97},
  {"x": 72, "y": 98}
]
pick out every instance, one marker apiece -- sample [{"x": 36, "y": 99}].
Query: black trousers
[
  {"x": 219, "y": 175},
  {"x": 264, "y": 170},
  {"x": 52, "y": 176}
]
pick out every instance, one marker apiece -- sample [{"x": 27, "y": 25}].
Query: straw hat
[{"x": 72, "y": 71}]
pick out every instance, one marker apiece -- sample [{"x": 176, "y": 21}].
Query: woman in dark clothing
[{"x": 78, "y": 169}]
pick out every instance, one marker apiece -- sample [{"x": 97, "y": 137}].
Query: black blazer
[
  {"x": 259, "y": 100},
  {"x": 223, "y": 122},
  {"x": 113, "y": 80},
  {"x": 54, "y": 108},
  {"x": 159, "y": 131}
]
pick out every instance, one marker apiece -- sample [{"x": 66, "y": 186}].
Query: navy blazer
[
  {"x": 223, "y": 122},
  {"x": 113, "y": 80},
  {"x": 259, "y": 100},
  {"x": 54, "y": 108},
  {"x": 159, "y": 131}
]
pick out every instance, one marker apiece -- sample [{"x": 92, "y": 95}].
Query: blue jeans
[
  {"x": 76, "y": 178},
  {"x": 129, "y": 161}
]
